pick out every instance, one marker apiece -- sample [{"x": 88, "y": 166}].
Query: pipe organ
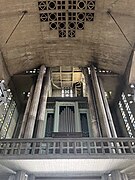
[
  {"x": 68, "y": 116},
  {"x": 66, "y": 119}
]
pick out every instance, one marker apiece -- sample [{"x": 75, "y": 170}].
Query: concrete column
[
  {"x": 26, "y": 113},
  {"x": 131, "y": 68},
  {"x": 100, "y": 104},
  {"x": 31, "y": 177},
  {"x": 104, "y": 177},
  {"x": 116, "y": 175},
  {"x": 42, "y": 106},
  {"x": 34, "y": 105},
  {"x": 11, "y": 177},
  {"x": 108, "y": 112},
  {"x": 93, "y": 117},
  {"x": 20, "y": 175}
]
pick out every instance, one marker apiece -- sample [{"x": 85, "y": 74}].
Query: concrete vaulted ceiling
[{"x": 33, "y": 43}]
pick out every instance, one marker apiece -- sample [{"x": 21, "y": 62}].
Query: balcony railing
[{"x": 67, "y": 148}]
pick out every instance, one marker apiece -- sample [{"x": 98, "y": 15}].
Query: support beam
[
  {"x": 26, "y": 113},
  {"x": 42, "y": 106},
  {"x": 100, "y": 104},
  {"x": 93, "y": 117},
  {"x": 34, "y": 104}
]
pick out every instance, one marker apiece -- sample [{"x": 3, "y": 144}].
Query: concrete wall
[
  {"x": 56, "y": 93},
  {"x": 3, "y": 70}
]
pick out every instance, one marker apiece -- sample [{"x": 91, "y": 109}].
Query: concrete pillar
[
  {"x": 26, "y": 113},
  {"x": 108, "y": 112},
  {"x": 34, "y": 105},
  {"x": 42, "y": 106},
  {"x": 132, "y": 68},
  {"x": 116, "y": 175},
  {"x": 31, "y": 177},
  {"x": 104, "y": 177},
  {"x": 20, "y": 175},
  {"x": 93, "y": 117},
  {"x": 11, "y": 177},
  {"x": 100, "y": 104}
]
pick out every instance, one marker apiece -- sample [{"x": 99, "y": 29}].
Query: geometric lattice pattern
[
  {"x": 66, "y": 16},
  {"x": 85, "y": 147}
]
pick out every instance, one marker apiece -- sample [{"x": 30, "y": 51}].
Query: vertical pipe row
[
  {"x": 61, "y": 124},
  {"x": 72, "y": 129},
  {"x": 66, "y": 118},
  {"x": 63, "y": 120},
  {"x": 67, "y": 121},
  {"x": 73, "y": 121},
  {"x": 70, "y": 120}
]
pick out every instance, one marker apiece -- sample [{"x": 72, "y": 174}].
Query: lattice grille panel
[
  {"x": 68, "y": 148},
  {"x": 66, "y": 16}
]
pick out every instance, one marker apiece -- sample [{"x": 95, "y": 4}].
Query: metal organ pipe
[
  {"x": 72, "y": 116},
  {"x": 66, "y": 117},
  {"x": 66, "y": 120},
  {"x": 70, "y": 120},
  {"x": 68, "y": 126}
]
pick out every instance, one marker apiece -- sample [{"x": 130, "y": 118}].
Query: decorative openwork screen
[
  {"x": 97, "y": 148},
  {"x": 66, "y": 16}
]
